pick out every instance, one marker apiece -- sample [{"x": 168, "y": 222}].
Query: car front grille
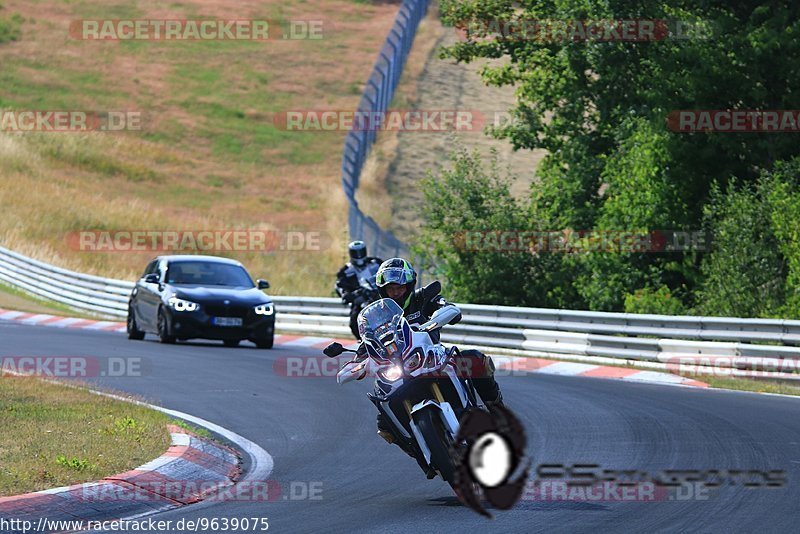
[{"x": 220, "y": 310}]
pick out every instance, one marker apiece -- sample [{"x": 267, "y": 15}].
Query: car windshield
[
  {"x": 206, "y": 273},
  {"x": 378, "y": 325}
]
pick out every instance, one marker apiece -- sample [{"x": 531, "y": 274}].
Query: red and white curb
[
  {"x": 510, "y": 364},
  {"x": 43, "y": 319},
  {"x": 504, "y": 363},
  {"x": 191, "y": 470}
]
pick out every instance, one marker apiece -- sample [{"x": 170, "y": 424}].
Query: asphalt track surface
[{"x": 322, "y": 433}]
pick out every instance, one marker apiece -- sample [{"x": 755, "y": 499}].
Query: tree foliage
[
  {"x": 471, "y": 198},
  {"x": 600, "y": 110}
]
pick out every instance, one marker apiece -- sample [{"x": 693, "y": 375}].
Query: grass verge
[
  {"x": 56, "y": 435},
  {"x": 196, "y": 430},
  {"x": 746, "y": 384},
  {"x": 15, "y": 299}
]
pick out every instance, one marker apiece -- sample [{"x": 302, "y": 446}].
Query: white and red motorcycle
[{"x": 418, "y": 387}]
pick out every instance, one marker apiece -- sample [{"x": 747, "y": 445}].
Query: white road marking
[
  {"x": 11, "y": 315},
  {"x": 36, "y": 318},
  {"x": 306, "y": 341},
  {"x": 566, "y": 368},
  {"x": 65, "y": 322},
  {"x": 100, "y": 325},
  {"x": 652, "y": 376}
]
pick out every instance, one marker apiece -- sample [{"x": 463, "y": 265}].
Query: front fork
[{"x": 438, "y": 403}]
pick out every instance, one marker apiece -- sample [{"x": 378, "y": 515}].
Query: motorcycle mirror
[{"x": 333, "y": 350}]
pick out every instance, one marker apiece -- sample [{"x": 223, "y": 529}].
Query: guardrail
[
  {"x": 77, "y": 290},
  {"x": 644, "y": 340}
]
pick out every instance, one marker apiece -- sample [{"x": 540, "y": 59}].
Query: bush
[
  {"x": 472, "y": 200},
  {"x": 660, "y": 301},
  {"x": 745, "y": 273}
]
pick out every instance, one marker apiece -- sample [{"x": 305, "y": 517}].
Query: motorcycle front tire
[{"x": 439, "y": 442}]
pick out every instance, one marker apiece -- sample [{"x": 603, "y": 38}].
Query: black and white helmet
[{"x": 358, "y": 253}]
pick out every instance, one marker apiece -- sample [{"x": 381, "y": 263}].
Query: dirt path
[{"x": 441, "y": 85}]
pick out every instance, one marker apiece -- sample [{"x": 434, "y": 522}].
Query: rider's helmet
[
  {"x": 395, "y": 274},
  {"x": 358, "y": 253}
]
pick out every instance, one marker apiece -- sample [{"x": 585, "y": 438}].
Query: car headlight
[
  {"x": 391, "y": 374},
  {"x": 264, "y": 309},
  {"x": 183, "y": 305}
]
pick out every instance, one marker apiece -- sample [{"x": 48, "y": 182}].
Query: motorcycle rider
[
  {"x": 396, "y": 279},
  {"x": 348, "y": 280}
]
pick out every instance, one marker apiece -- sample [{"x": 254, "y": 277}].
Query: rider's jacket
[
  {"x": 349, "y": 276},
  {"x": 424, "y": 303}
]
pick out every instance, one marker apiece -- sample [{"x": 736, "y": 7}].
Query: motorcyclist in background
[
  {"x": 349, "y": 281},
  {"x": 396, "y": 279}
]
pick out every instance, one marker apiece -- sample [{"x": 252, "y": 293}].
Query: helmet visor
[{"x": 394, "y": 275}]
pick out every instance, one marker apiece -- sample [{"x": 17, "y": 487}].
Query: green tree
[
  {"x": 465, "y": 208},
  {"x": 659, "y": 301},
  {"x": 600, "y": 109},
  {"x": 745, "y": 273}
]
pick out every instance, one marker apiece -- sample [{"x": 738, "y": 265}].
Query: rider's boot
[{"x": 482, "y": 373}]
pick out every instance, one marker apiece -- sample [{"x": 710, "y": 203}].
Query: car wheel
[
  {"x": 231, "y": 342},
  {"x": 133, "y": 329},
  {"x": 163, "y": 328},
  {"x": 265, "y": 342}
]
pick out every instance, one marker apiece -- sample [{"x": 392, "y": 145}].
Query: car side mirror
[
  {"x": 152, "y": 278},
  {"x": 262, "y": 284},
  {"x": 333, "y": 350}
]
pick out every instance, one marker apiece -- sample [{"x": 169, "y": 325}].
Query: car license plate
[{"x": 227, "y": 321}]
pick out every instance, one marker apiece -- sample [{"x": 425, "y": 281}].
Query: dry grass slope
[
  {"x": 208, "y": 157},
  {"x": 390, "y": 192}
]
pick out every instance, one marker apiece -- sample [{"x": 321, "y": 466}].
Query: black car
[{"x": 183, "y": 297}]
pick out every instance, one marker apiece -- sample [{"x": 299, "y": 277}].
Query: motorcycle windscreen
[{"x": 380, "y": 326}]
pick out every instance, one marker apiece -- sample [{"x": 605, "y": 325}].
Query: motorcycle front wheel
[{"x": 439, "y": 442}]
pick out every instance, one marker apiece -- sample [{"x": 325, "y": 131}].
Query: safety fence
[
  {"x": 377, "y": 96},
  {"x": 658, "y": 341}
]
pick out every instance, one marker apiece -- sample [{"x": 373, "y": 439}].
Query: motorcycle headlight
[
  {"x": 264, "y": 309},
  {"x": 182, "y": 305},
  {"x": 391, "y": 374}
]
